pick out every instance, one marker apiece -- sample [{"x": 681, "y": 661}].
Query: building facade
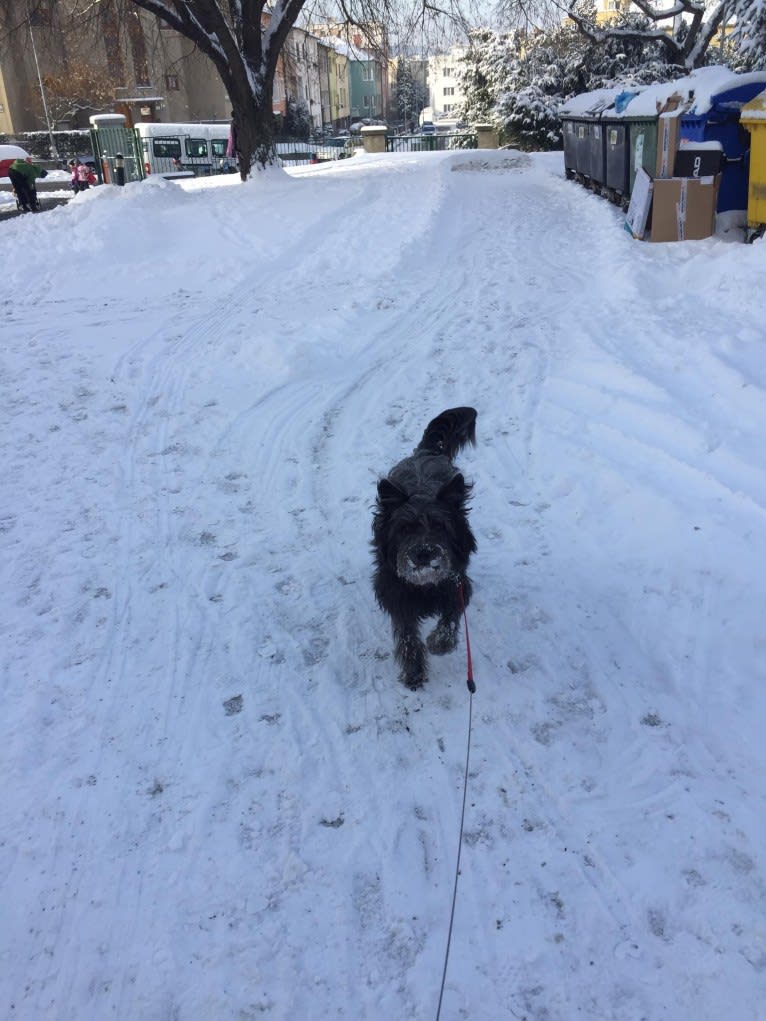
[
  {"x": 149, "y": 72},
  {"x": 444, "y": 92}
]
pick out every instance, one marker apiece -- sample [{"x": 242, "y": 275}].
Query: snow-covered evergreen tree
[
  {"x": 407, "y": 93},
  {"x": 749, "y": 34},
  {"x": 297, "y": 123},
  {"x": 519, "y": 82}
]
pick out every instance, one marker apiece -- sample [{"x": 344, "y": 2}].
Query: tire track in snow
[
  {"x": 151, "y": 432},
  {"x": 155, "y": 455},
  {"x": 348, "y": 410}
]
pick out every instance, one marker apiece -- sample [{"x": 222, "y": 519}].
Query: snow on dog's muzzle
[{"x": 423, "y": 564}]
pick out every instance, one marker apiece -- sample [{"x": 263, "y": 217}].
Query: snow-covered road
[{"x": 218, "y": 801}]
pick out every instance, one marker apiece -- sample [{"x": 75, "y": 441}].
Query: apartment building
[
  {"x": 137, "y": 66},
  {"x": 444, "y": 93},
  {"x": 149, "y": 72},
  {"x": 365, "y": 50}
]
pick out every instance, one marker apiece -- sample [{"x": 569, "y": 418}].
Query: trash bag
[{"x": 622, "y": 100}]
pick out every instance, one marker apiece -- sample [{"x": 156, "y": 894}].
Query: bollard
[{"x": 119, "y": 169}]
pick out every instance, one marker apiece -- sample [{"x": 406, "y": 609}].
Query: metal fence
[
  {"x": 296, "y": 153},
  {"x": 431, "y": 143}
]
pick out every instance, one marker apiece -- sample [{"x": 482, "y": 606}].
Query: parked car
[
  {"x": 428, "y": 128},
  {"x": 339, "y": 148},
  {"x": 9, "y": 153}
]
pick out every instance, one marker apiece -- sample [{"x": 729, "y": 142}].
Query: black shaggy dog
[{"x": 422, "y": 543}]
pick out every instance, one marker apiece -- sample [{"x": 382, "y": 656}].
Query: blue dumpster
[{"x": 714, "y": 117}]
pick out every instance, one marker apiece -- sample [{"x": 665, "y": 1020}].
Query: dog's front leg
[
  {"x": 410, "y": 653},
  {"x": 444, "y": 636}
]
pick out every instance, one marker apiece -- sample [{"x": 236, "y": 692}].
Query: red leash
[{"x": 469, "y": 681}]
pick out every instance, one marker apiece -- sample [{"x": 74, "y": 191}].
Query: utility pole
[{"x": 54, "y": 150}]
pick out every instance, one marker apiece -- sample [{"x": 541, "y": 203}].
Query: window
[
  {"x": 447, "y": 73},
  {"x": 366, "y": 100},
  {"x": 219, "y": 146},
  {"x": 196, "y": 147},
  {"x": 448, "y": 108},
  {"x": 449, "y": 91},
  {"x": 367, "y": 74},
  {"x": 167, "y": 148},
  {"x": 171, "y": 82}
]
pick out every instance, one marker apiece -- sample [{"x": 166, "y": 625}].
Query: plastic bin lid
[
  {"x": 755, "y": 110},
  {"x": 590, "y": 104}
]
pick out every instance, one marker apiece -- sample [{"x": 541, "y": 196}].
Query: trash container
[
  {"x": 570, "y": 147},
  {"x": 576, "y": 149},
  {"x": 753, "y": 118},
  {"x": 642, "y": 137},
  {"x": 584, "y": 136},
  {"x": 596, "y": 154},
  {"x": 714, "y": 116},
  {"x": 583, "y": 149},
  {"x": 630, "y": 143},
  {"x": 616, "y": 160}
]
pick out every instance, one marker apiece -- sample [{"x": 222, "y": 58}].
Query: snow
[
  {"x": 12, "y": 152},
  {"x": 218, "y": 801},
  {"x": 755, "y": 110},
  {"x": 697, "y": 92},
  {"x": 700, "y": 89}
]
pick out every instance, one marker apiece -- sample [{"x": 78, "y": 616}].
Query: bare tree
[
  {"x": 684, "y": 30},
  {"x": 77, "y": 87},
  {"x": 243, "y": 39}
]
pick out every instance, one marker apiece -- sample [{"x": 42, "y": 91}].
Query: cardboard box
[
  {"x": 683, "y": 208},
  {"x": 640, "y": 204},
  {"x": 668, "y": 130}
]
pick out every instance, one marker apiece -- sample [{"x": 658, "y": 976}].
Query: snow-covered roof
[{"x": 347, "y": 49}]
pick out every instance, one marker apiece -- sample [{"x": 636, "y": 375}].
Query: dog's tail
[{"x": 450, "y": 432}]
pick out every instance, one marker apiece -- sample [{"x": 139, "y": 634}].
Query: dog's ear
[
  {"x": 389, "y": 494},
  {"x": 453, "y": 491}
]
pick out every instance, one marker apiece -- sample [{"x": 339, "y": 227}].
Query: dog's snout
[{"x": 423, "y": 555}]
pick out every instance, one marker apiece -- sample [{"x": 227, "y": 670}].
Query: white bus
[{"x": 179, "y": 150}]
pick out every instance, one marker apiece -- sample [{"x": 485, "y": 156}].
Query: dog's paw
[
  {"x": 413, "y": 681},
  {"x": 442, "y": 639}
]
